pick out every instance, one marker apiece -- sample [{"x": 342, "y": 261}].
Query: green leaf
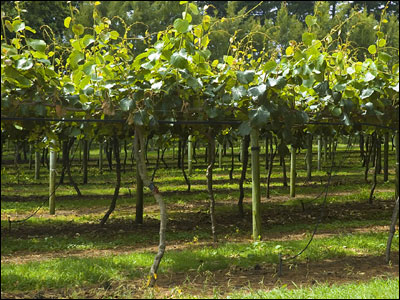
[
  {"x": 381, "y": 42},
  {"x": 38, "y": 45},
  {"x": 67, "y": 21},
  {"x": 24, "y": 64},
  {"x": 238, "y": 92},
  {"x": 228, "y": 59},
  {"x": 69, "y": 88},
  {"x": 269, "y": 66},
  {"x": 87, "y": 40},
  {"x": 114, "y": 35},
  {"x": 336, "y": 111},
  {"x": 193, "y": 8},
  {"x": 340, "y": 87},
  {"x": 259, "y": 118},
  {"x": 383, "y": 56},
  {"x": 372, "y": 49},
  {"x": 195, "y": 83},
  {"x": 18, "y": 25},
  {"x": 369, "y": 76},
  {"x": 181, "y": 26},
  {"x": 308, "y": 83},
  {"x": 178, "y": 61},
  {"x": 278, "y": 83},
  {"x": 78, "y": 29},
  {"x": 244, "y": 128},
  {"x": 308, "y": 37},
  {"x": 257, "y": 90},
  {"x": 322, "y": 88},
  {"x": 245, "y": 77},
  {"x": 14, "y": 76},
  {"x": 311, "y": 20},
  {"x": 126, "y": 104},
  {"x": 75, "y": 57},
  {"x": 366, "y": 93}
]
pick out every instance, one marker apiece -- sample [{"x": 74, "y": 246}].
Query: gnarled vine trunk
[{"x": 139, "y": 147}]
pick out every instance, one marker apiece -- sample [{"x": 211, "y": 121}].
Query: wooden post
[
  {"x": 101, "y": 157},
  {"x": 255, "y": 188},
  {"x": 85, "y": 161},
  {"x": 37, "y": 164},
  {"x": 52, "y": 180},
  {"x": 309, "y": 155},
  {"x": 190, "y": 155},
  {"x": 139, "y": 196},
  {"x": 386, "y": 157},
  {"x": 292, "y": 171},
  {"x": 319, "y": 153},
  {"x": 397, "y": 163},
  {"x": 220, "y": 155}
]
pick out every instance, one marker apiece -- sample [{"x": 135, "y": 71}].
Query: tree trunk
[
  {"x": 139, "y": 197},
  {"x": 68, "y": 165},
  {"x": 179, "y": 153},
  {"x": 362, "y": 151},
  {"x": 162, "y": 158},
  {"x": 140, "y": 160},
  {"x": 245, "y": 158},
  {"x": 209, "y": 174},
  {"x": 65, "y": 153},
  {"x": 319, "y": 153},
  {"x": 309, "y": 156},
  {"x": 368, "y": 156},
  {"x": 284, "y": 170},
  {"x": 292, "y": 171},
  {"x": 157, "y": 164},
  {"x": 386, "y": 158},
  {"x": 392, "y": 229},
  {"x": 125, "y": 155},
  {"x": 232, "y": 161},
  {"x": 183, "y": 163},
  {"x": 85, "y": 161},
  {"x": 190, "y": 155},
  {"x": 101, "y": 157},
  {"x": 117, "y": 184},
  {"x": 271, "y": 164},
  {"x": 374, "y": 145},
  {"x": 37, "y": 164},
  {"x": 52, "y": 181}
]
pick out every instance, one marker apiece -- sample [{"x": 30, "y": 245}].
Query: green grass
[
  {"x": 377, "y": 288},
  {"x": 71, "y": 271}
]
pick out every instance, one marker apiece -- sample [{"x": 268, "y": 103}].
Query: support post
[
  {"x": 255, "y": 172},
  {"x": 386, "y": 157},
  {"x": 190, "y": 153},
  {"x": 292, "y": 171},
  {"x": 309, "y": 156},
  {"x": 37, "y": 164},
  {"x": 319, "y": 153},
  {"x": 220, "y": 156},
  {"x": 101, "y": 157},
  {"x": 397, "y": 163},
  {"x": 52, "y": 180}
]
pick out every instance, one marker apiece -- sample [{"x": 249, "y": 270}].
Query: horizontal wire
[{"x": 180, "y": 122}]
